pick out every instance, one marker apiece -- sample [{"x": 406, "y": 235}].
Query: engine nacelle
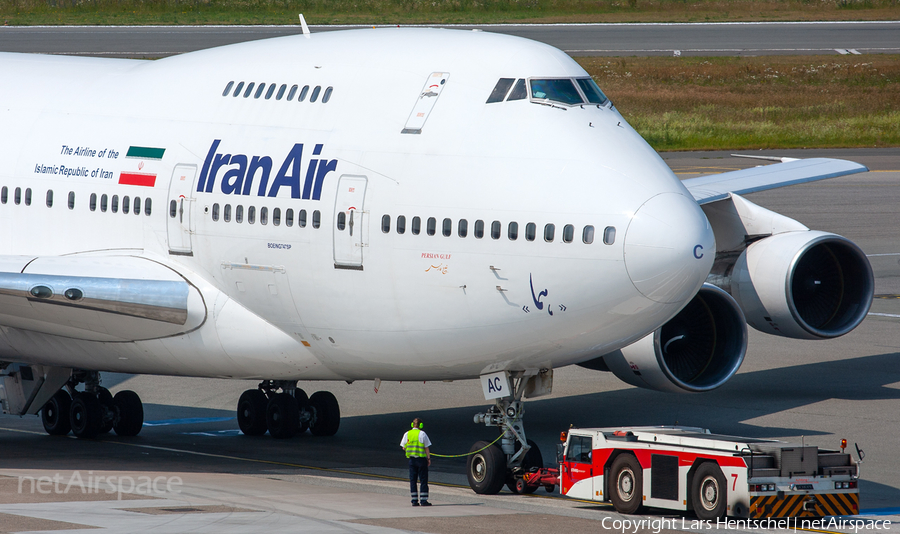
[
  {"x": 804, "y": 285},
  {"x": 697, "y": 350}
]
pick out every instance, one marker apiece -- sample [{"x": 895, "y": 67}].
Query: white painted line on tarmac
[
  {"x": 886, "y": 254},
  {"x": 854, "y": 51},
  {"x": 884, "y": 315},
  {"x": 841, "y": 51}
]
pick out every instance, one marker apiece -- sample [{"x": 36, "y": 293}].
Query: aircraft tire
[
  {"x": 85, "y": 416},
  {"x": 327, "y": 418},
  {"x": 533, "y": 458},
  {"x": 106, "y": 400},
  {"x": 131, "y": 413},
  {"x": 486, "y": 469},
  {"x": 708, "y": 492},
  {"x": 627, "y": 484},
  {"x": 303, "y": 405},
  {"x": 282, "y": 416},
  {"x": 55, "y": 414},
  {"x": 251, "y": 412}
]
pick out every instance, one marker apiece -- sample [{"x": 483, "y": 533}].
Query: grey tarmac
[{"x": 222, "y": 481}]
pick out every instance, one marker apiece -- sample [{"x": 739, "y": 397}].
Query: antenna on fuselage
[{"x": 304, "y": 26}]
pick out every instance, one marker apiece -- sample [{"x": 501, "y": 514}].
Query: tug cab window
[
  {"x": 579, "y": 449},
  {"x": 556, "y": 90}
]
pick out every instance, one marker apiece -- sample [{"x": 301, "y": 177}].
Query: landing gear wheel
[
  {"x": 131, "y": 413},
  {"x": 327, "y": 414},
  {"x": 302, "y": 404},
  {"x": 55, "y": 414},
  {"x": 106, "y": 400},
  {"x": 486, "y": 469},
  {"x": 628, "y": 484},
  {"x": 282, "y": 416},
  {"x": 85, "y": 416},
  {"x": 708, "y": 492},
  {"x": 532, "y": 459},
  {"x": 251, "y": 412}
]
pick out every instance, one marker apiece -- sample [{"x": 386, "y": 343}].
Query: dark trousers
[{"x": 418, "y": 470}]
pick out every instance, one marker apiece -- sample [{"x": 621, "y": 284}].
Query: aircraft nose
[{"x": 669, "y": 248}]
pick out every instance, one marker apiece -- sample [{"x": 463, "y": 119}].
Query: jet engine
[
  {"x": 804, "y": 285},
  {"x": 697, "y": 350}
]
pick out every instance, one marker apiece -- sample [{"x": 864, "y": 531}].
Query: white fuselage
[{"x": 290, "y": 302}]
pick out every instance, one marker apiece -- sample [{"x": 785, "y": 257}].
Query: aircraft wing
[
  {"x": 103, "y": 298},
  {"x": 715, "y": 187}
]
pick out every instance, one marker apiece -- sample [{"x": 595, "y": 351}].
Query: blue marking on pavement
[
  {"x": 880, "y": 511},
  {"x": 187, "y": 421},
  {"x": 215, "y": 433}
]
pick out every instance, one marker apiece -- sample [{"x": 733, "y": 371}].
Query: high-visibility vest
[{"x": 414, "y": 447}]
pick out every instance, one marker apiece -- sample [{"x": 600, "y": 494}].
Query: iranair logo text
[{"x": 240, "y": 174}]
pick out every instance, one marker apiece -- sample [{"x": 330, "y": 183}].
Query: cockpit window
[
  {"x": 591, "y": 91},
  {"x": 560, "y": 90},
  {"x": 500, "y": 90},
  {"x": 518, "y": 92}
]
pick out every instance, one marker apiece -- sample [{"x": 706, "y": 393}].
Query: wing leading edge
[{"x": 712, "y": 188}]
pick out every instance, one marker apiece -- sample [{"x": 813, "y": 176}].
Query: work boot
[
  {"x": 415, "y": 503},
  {"x": 425, "y": 503}
]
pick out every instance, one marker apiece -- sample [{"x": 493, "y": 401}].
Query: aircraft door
[
  {"x": 349, "y": 224},
  {"x": 180, "y": 223}
]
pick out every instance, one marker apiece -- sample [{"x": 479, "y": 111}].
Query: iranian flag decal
[{"x": 146, "y": 179}]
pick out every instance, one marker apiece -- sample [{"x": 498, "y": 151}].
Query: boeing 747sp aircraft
[{"x": 388, "y": 204}]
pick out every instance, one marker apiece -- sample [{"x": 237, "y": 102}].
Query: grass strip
[
  {"x": 730, "y": 103},
  {"x": 136, "y": 12}
]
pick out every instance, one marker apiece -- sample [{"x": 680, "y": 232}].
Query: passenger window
[
  {"x": 237, "y": 90},
  {"x": 28, "y": 197},
  {"x": 264, "y": 215},
  {"x": 609, "y": 235},
  {"x": 416, "y": 225},
  {"x": 50, "y": 200},
  {"x": 270, "y": 92},
  {"x": 18, "y": 196},
  {"x": 276, "y": 216},
  {"x": 226, "y": 213},
  {"x": 479, "y": 229},
  {"x": 249, "y": 89},
  {"x": 239, "y": 214},
  {"x": 215, "y": 212},
  {"x": 251, "y": 214},
  {"x": 432, "y": 226},
  {"x": 303, "y": 93},
  {"x": 115, "y": 203},
  {"x": 173, "y": 208},
  {"x": 104, "y": 202},
  {"x": 513, "y": 231},
  {"x": 301, "y": 219},
  {"x": 341, "y": 220},
  {"x": 519, "y": 92},
  {"x": 259, "y": 92},
  {"x": 568, "y": 233},
  {"x": 386, "y": 224},
  {"x": 558, "y": 90},
  {"x": 137, "y": 205},
  {"x": 281, "y": 91},
  {"x": 72, "y": 200},
  {"x": 315, "y": 94},
  {"x": 500, "y": 90},
  {"x": 463, "y": 228},
  {"x": 4, "y": 195},
  {"x": 148, "y": 207},
  {"x": 549, "y": 232},
  {"x": 401, "y": 224},
  {"x": 289, "y": 217},
  {"x": 228, "y": 88},
  {"x": 530, "y": 231},
  {"x": 447, "y": 227},
  {"x": 126, "y": 204},
  {"x": 292, "y": 92},
  {"x": 317, "y": 219},
  {"x": 587, "y": 236},
  {"x": 495, "y": 230},
  {"x": 327, "y": 96}
]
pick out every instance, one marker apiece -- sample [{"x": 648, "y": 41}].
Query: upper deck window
[
  {"x": 556, "y": 90},
  {"x": 592, "y": 91}
]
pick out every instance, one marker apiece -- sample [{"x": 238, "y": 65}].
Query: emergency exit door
[
  {"x": 350, "y": 222},
  {"x": 179, "y": 226}
]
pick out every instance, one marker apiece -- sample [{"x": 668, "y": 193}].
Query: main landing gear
[
  {"x": 93, "y": 411},
  {"x": 287, "y": 412},
  {"x": 490, "y": 466}
]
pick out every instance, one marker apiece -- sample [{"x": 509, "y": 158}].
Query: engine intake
[{"x": 697, "y": 350}]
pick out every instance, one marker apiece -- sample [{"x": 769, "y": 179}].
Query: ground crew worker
[{"x": 417, "y": 446}]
